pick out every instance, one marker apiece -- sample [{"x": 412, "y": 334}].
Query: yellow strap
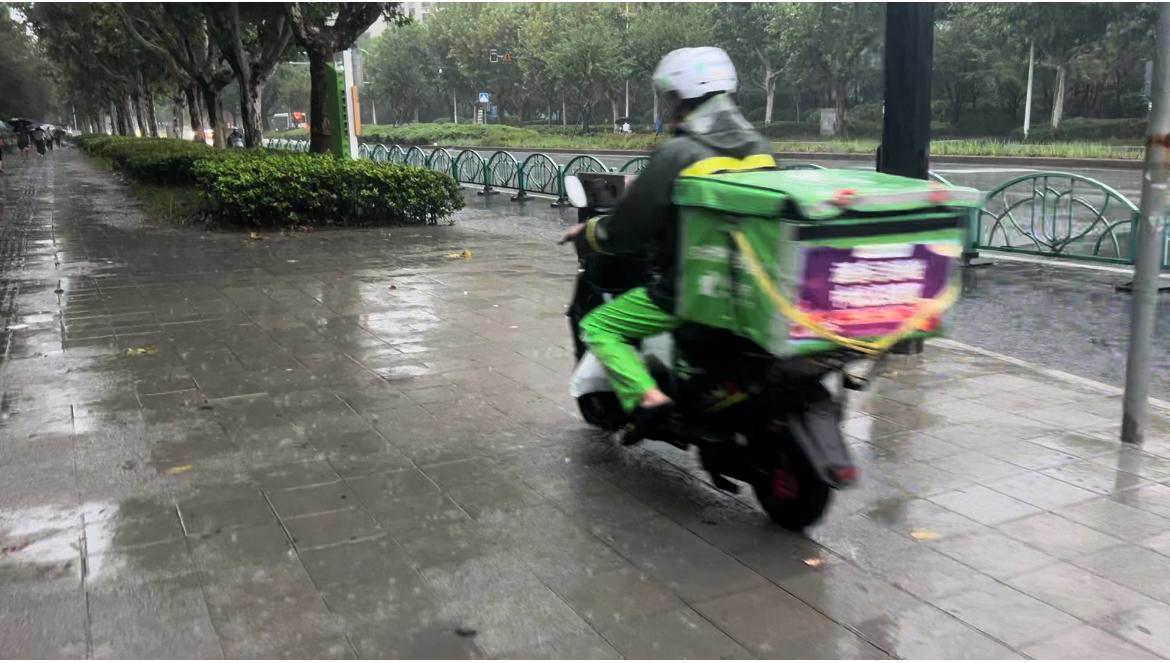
[
  {"x": 591, "y": 234},
  {"x": 713, "y": 165},
  {"x": 926, "y": 310}
]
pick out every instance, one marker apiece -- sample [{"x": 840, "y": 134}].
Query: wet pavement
[{"x": 349, "y": 444}]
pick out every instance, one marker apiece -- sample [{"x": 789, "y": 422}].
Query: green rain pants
[{"x": 611, "y": 331}]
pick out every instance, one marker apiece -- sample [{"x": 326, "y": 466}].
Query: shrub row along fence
[{"x": 1045, "y": 213}]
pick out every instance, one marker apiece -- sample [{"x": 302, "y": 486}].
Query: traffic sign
[{"x": 485, "y": 98}]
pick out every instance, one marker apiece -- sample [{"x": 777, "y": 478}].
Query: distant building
[{"x": 417, "y": 10}]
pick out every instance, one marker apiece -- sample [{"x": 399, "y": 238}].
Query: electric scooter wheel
[
  {"x": 602, "y": 410},
  {"x": 794, "y": 497}
]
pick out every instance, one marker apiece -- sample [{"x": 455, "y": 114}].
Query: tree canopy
[{"x": 582, "y": 63}]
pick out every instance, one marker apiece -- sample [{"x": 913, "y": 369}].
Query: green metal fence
[
  {"x": 1050, "y": 214},
  {"x": 1059, "y": 215}
]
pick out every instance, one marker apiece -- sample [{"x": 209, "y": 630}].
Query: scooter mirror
[{"x": 575, "y": 192}]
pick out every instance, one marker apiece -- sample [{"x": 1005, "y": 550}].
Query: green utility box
[
  {"x": 335, "y": 107},
  {"x": 803, "y": 261}
]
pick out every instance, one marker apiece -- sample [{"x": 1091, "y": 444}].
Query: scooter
[{"x": 773, "y": 424}]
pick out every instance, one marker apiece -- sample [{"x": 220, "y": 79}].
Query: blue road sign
[{"x": 484, "y": 98}]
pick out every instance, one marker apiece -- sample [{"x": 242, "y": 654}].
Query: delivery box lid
[{"x": 816, "y": 194}]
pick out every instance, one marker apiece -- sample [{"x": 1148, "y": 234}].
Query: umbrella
[{"x": 21, "y": 123}]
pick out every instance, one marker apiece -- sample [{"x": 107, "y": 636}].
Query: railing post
[
  {"x": 521, "y": 194},
  {"x": 971, "y": 256},
  {"x": 562, "y": 198},
  {"x": 487, "y": 178}
]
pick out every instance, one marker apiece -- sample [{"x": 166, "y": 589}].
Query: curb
[{"x": 1040, "y": 162}]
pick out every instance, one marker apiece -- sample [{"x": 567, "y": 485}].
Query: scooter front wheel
[{"x": 793, "y": 497}]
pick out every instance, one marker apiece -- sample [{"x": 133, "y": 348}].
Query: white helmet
[{"x": 695, "y": 72}]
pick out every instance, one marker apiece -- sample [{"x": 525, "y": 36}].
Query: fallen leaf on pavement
[
  {"x": 254, "y": 236},
  {"x": 923, "y": 536},
  {"x": 814, "y": 562},
  {"x": 465, "y": 254},
  {"x": 178, "y": 469},
  {"x": 465, "y": 632},
  {"x": 145, "y": 350},
  {"x": 393, "y": 287}
]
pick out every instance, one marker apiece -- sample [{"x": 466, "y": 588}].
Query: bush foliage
[
  {"x": 319, "y": 190},
  {"x": 260, "y": 187}
]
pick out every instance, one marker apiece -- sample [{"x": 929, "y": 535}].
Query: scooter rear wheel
[
  {"x": 602, "y": 410},
  {"x": 793, "y": 497}
]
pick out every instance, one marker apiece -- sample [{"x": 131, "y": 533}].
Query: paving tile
[
  {"x": 751, "y": 617},
  {"x": 908, "y": 516},
  {"x": 925, "y": 632},
  {"x": 407, "y": 513},
  {"x": 977, "y": 466},
  {"x": 1040, "y": 490},
  {"x": 1154, "y": 498},
  {"x": 1095, "y": 477},
  {"x": 295, "y": 475},
  {"x": 924, "y": 572},
  {"x": 1139, "y": 569},
  {"x": 333, "y": 527},
  {"x": 507, "y": 605},
  {"x": 686, "y": 564},
  {"x": 679, "y": 634},
  {"x": 43, "y": 629},
  {"x": 846, "y": 593},
  {"x": 1028, "y": 454},
  {"x": 480, "y": 500},
  {"x": 1120, "y": 520},
  {"x": 993, "y": 553},
  {"x": 984, "y": 505},
  {"x": 263, "y": 628},
  {"x": 295, "y": 502},
  {"x": 1007, "y": 614},
  {"x": 1057, "y": 536},
  {"x": 616, "y": 596},
  {"x": 1147, "y": 627},
  {"x": 165, "y": 619},
  {"x": 1085, "y": 642},
  {"x": 1078, "y": 592},
  {"x": 350, "y": 563}
]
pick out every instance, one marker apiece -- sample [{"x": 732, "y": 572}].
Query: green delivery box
[{"x": 801, "y": 261}]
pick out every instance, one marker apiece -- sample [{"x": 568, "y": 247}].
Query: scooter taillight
[{"x": 845, "y": 475}]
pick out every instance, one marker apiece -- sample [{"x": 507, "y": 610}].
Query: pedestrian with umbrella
[
  {"x": 38, "y": 136},
  {"x": 21, "y": 126}
]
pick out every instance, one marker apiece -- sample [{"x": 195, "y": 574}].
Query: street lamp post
[{"x": 1152, "y": 225}]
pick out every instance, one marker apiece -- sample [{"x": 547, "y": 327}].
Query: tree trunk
[
  {"x": 320, "y": 126},
  {"x": 250, "y": 92},
  {"x": 139, "y": 113},
  {"x": 214, "y": 105},
  {"x": 654, "y": 96},
  {"x": 126, "y": 116},
  {"x": 196, "y": 115},
  {"x": 613, "y": 105},
  {"x": 1058, "y": 96},
  {"x": 564, "y": 115},
  {"x": 416, "y": 114},
  {"x": 152, "y": 118},
  {"x": 769, "y": 98},
  {"x": 840, "y": 91}
]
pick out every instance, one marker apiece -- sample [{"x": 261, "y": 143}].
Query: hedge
[
  {"x": 262, "y": 187},
  {"x": 1087, "y": 128},
  {"x": 319, "y": 190}
]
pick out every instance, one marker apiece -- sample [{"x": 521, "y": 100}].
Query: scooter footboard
[{"x": 816, "y": 430}]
